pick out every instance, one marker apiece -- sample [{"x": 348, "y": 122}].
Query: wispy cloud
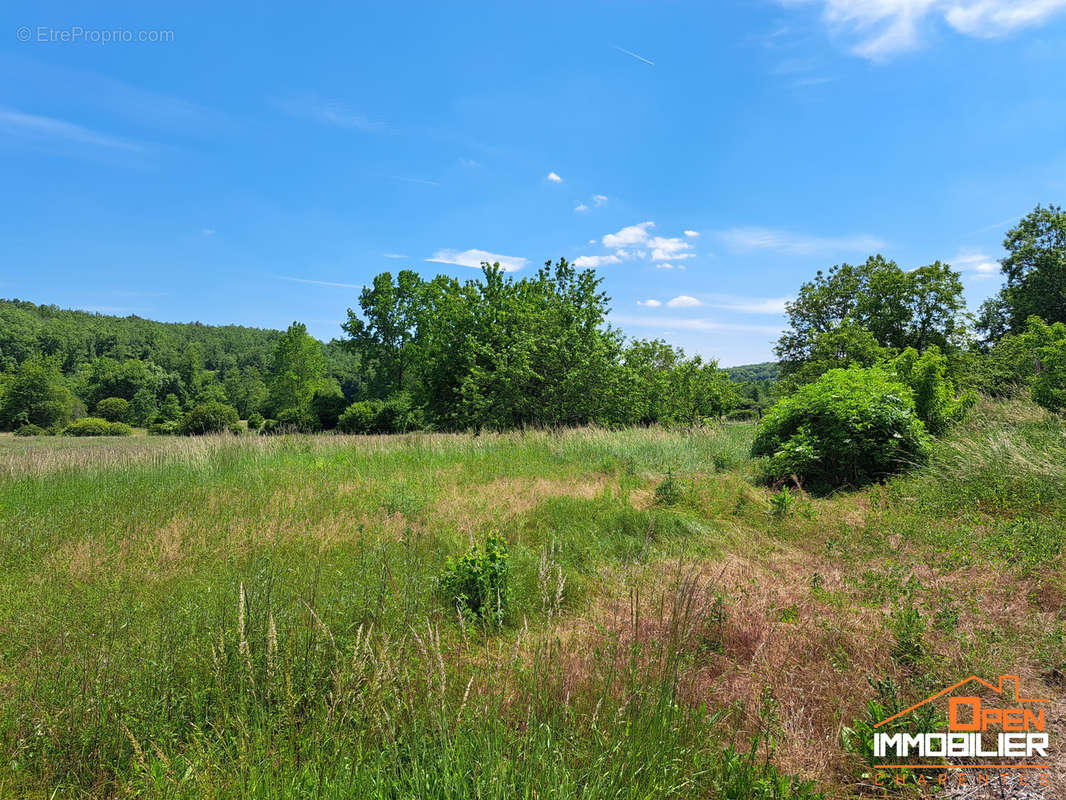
[
  {"x": 599, "y": 200},
  {"x": 393, "y": 255},
  {"x": 581, "y": 208},
  {"x": 883, "y": 28},
  {"x": 976, "y": 262},
  {"x": 554, "y": 178},
  {"x": 33, "y": 128},
  {"x": 755, "y": 238},
  {"x": 692, "y": 234},
  {"x": 634, "y": 55},
  {"x": 683, "y": 301},
  {"x": 474, "y": 258},
  {"x": 321, "y": 283},
  {"x": 421, "y": 181},
  {"x": 324, "y": 111},
  {"x": 750, "y": 305},
  {"x": 596, "y": 261},
  {"x": 649, "y": 303},
  {"x": 469, "y": 163},
  {"x": 695, "y": 324},
  {"x": 207, "y": 231}
]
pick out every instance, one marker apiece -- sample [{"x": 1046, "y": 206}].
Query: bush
[
  {"x": 210, "y": 417},
  {"x": 300, "y": 420},
  {"x": 360, "y": 417},
  {"x": 29, "y": 429},
  {"x": 670, "y": 492},
  {"x": 96, "y": 426},
  {"x": 236, "y": 429},
  {"x": 113, "y": 409},
  {"x": 477, "y": 583},
  {"x": 935, "y": 402},
  {"x": 327, "y": 404},
  {"x": 255, "y": 421},
  {"x": 270, "y": 426},
  {"x": 848, "y": 428},
  {"x": 171, "y": 428}
]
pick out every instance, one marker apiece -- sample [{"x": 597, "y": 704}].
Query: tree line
[{"x": 493, "y": 352}]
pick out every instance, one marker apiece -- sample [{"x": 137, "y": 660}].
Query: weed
[
  {"x": 477, "y": 583},
  {"x": 909, "y": 630},
  {"x": 670, "y": 492},
  {"x": 781, "y": 502}
]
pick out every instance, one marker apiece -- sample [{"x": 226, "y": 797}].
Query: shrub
[
  {"x": 210, "y": 417},
  {"x": 270, "y": 426},
  {"x": 255, "y": 421},
  {"x": 113, "y": 409},
  {"x": 670, "y": 492},
  {"x": 850, "y": 427},
  {"x": 935, "y": 402},
  {"x": 1047, "y": 343},
  {"x": 236, "y": 429},
  {"x": 477, "y": 582},
  {"x": 327, "y": 404},
  {"x": 171, "y": 428},
  {"x": 119, "y": 429},
  {"x": 29, "y": 429},
  {"x": 301, "y": 420},
  {"x": 88, "y": 426},
  {"x": 360, "y": 417},
  {"x": 170, "y": 411}
]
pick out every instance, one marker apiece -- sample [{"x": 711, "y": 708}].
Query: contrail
[
  {"x": 630, "y": 53},
  {"x": 320, "y": 283}
]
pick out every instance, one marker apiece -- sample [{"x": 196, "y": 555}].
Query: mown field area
[{"x": 263, "y": 616}]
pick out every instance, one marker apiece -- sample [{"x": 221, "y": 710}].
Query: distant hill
[{"x": 766, "y": 372}]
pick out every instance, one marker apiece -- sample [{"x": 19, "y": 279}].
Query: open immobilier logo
[{"x": 1000, "y": 733}]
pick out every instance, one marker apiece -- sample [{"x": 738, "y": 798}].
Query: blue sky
[{"x": 257, "y": 165}]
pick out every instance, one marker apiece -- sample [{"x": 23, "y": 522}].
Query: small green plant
[
  {"x": 477, "y": 583},
  {"x": 29, "y": 429},
  {"x": 909, "y": 629},
  {"x": 255, "y": 421},
  {"x": 670, "y": 492},
  {"x": 859, "y": 737},
  {"x": 781, "y": 502}
]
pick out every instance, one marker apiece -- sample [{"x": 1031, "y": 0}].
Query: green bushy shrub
[
  {"x": 255, "y": 421},
  {"x": 477, "y": 582},
  {"x": 113, "y": 409},
  {"x": 1047, "y": 343},
  {"x": 210, "y": 417},
  {"x": 850, "y": 427},
  {"x": 327, "y": 404},
  {"x": 96, "y": 426},
  {"x": 171, "y": 428},
  {"x": 29, "y": 429},
  {"x": 935, "y": 402},
  {"x": 360, "y": 417},
  {"x": 300, "y": 420}
]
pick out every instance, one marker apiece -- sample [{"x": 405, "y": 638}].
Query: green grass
[{"x": 261, "y": 617}]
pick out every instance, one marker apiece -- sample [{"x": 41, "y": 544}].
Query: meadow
[{"x": 255, "y": 616}]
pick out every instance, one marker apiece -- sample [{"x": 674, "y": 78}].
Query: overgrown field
[{"x": 263, "y": 616}]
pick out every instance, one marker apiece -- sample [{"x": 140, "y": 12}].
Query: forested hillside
[{"x": 493, "y": 352}]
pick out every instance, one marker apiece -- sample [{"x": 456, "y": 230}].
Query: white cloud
[
  {"x": 595, "y": 261},
  {"x": 683, "y": 301},
  {"x": 631, "y": 235},
  {"x": 695, "y": 324},
  {"x": 882, "y": 28},
  {"x": 554, "y": 178},
  {"x": 755, "y": 238},
  {"x": 752, "y": 305},
  {"x": 581, "y": 208},
  {"x": 474, "y": 258},
  {"x": 649, "y": 303},
  {"x": 664, "y": 249},
  {"x": 208, "y": 231},
  {"x": 692, "y": 234},
  {"x": 469, "y": 163},
  {"x": 321, "y": 283},
  {"x": 393, "y": 255},
  {"x": 37, "y": 128},
  {"x": 599, "y": 200},
  {"x": 664, "y": 266},
  {"x": 976, "y": 262}
]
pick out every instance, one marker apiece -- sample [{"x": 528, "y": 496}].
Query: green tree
[
  {"x": 297, "y": 369},
  {"x": 920, "y": 308},
  {"x": 144, "y": 407},
  {"x": 36, "y": 394},
  {"x": 1035, "y": 272},
  {"x": 113, "y": 409}
]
